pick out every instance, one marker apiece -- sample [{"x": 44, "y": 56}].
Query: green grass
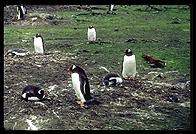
[{"x": 129, "y": 22}]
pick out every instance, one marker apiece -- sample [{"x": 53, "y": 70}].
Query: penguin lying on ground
[
  {"x": 17, "y": 51},
  {"x": 91, "y": 33},
  {"x": 81, "y": 86},
  {"x": 129, "y": 65},
  {"x": 32, "y": 92},
  {"x": 112, "y": 79},
  {"x": 39, "y": 44}
]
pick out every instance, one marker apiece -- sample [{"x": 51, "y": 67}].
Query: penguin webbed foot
[
  {"x": 82, "y": 104},
  {"x": 93, "y": 102},
  {"x": 88, "y": 103},
  {"x": 78, "y": 102}
]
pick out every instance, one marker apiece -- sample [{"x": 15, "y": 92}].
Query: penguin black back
[
  {"x": 84, "y": 83},
  {"x": 20, "y": 11},
  {"x": 112, "y": 79},
  {"x": 32, "y": 92}
]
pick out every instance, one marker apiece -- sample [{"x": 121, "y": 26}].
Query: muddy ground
[{"x": 138, "y": 104}]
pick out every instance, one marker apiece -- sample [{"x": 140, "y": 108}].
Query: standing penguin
[
  {"x": 21, "y": 11},
  {"x": 129, "y": 65},
  {"x": 39, "y": 44},
  {"x": 32, "y": 92},
  {"x": 111, "y": 7},
  {"x": 91, "y": 33},
  {"x": 81, "y": 85}
]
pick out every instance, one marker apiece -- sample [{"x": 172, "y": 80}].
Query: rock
[
  {"x": 116, "y": 29},
  {"x": 153, "y": 75},
  {"x": 93, "y": 61},
  {"x": 34, "y": 19},
  {"x": 132, "y": 40},
  {"x": 185, "y": 104},
  {"x": 173, "y": 98}
]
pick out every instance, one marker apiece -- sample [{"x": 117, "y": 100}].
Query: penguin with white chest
[
  {"x": 39, "y": 44},
  {"x": 81, "y": 86},
  {"x": 91, "y": 33},
  {"x": 129, "y": 65},
  {"x": 17, "y": 51},
  {"x": 33, "y": 93},
  {"x": 110, "y": 10},
  {"x": 21, "y": 11},
  {"x": 112, "y": 79}
]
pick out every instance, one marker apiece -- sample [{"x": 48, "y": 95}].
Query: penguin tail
[{"x": 93, "y": 102}]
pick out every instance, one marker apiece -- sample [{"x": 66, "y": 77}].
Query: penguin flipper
[{"x": 85, "y": 87}]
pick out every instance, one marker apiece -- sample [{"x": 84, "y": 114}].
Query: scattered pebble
[{"x": 173, "y": 98}]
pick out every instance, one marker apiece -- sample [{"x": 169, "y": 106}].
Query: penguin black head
[
  {"x": 91, "y": 27},
  {"x": 32, "y": 92},
  {"x": 72, "y": 68},
  {"x": 128, "y": 52},
  {"x": 38, "y": 35},
  {"x": 75, "y": 69}
]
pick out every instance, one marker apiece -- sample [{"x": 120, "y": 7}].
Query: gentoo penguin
[
  {"x": 129, "y": 65},
  {"x": 81, "y": 85},
  {"x": 21, "y": 11},
  {"x": 110, "y": 9},
  {"x": 39, "y": 44},
  {"x": 32, "y": 92},
  {"x": 91, "y": 33},
  {"x": 17, "y": 51},
  {"x": 112, "y": 79}
]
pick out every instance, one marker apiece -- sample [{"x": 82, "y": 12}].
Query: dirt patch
[
  {"x": 134, "y": 100},
  {"x": 10, "y": 14}
]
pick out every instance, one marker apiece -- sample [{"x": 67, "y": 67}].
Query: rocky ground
[{"x": 148, "y": 99}]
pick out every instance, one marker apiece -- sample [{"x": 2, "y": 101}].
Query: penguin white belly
[
  {"x": 91, "y": 34},
  {"x": 118, "y": 79},
  {"x": 33, "y": 98},
  {"x": 129, "y": 66},
  {"x": 76, "y": 85},
  {"x": 38, "y": 45},
  {"x": 111, "y": 8},
  {"x": 18, "y": 15},
  {"x": 23, "y": 10}
]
